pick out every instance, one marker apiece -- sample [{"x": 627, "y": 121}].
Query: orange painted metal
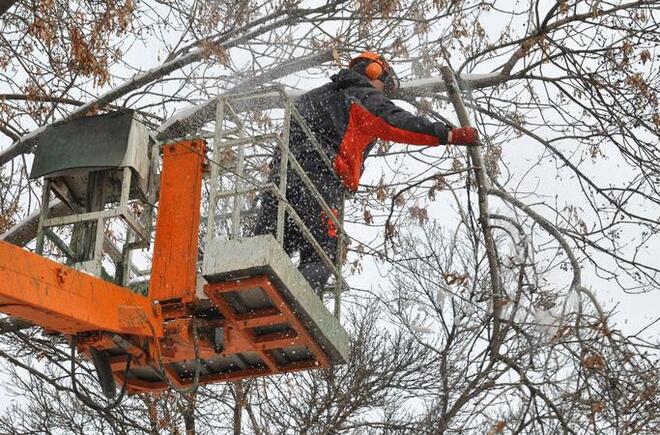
[
  {"x": 267, "y": 317},
  {"x": 62, "y": 299},
  {"x": 157, "y": 331},
  {"x": 173, "y": 273},
  {"x": 177, "y": 345},
  {"x": 139, "y": 386}
]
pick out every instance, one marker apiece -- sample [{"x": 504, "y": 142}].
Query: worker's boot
[
  {"x": 101, "y": 361},
  {"x": 316, "y": 274}
]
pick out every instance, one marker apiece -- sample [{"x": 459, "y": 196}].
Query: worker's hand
[{"x": 463, "y": 136}]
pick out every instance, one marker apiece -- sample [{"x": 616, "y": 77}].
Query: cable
[
  {"x": 192, "y": 389},
  {"x": 87, "y": 400}
]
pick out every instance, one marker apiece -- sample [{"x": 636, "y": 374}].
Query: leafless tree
[{"x": 490, "y": 317}]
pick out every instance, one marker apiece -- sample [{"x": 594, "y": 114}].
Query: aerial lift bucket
[{"x": 255, "y": 316}]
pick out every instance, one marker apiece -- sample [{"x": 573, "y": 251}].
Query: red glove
[{"x": 463, "y": 136}]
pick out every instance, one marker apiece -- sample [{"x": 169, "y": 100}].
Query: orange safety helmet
[
  {"x": 377, "y": 65},
  {"x": 377, "y": 69}
]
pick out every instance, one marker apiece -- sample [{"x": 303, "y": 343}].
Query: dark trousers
[{"x": 311, "y": 213}]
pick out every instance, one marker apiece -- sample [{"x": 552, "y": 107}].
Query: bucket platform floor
[{"x": 235, "y": 263}]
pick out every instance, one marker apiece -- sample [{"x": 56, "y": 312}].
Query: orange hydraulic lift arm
[
  {"x": 62, "y": 299},
  {"x": 174, "y": 269},
  {"x": 59, "y": 298}
]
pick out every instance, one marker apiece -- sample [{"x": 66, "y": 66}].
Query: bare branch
[{"x": 5, "y": 5}]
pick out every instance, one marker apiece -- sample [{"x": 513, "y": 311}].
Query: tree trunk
[
  {"x": 238, "y": 408},
  {"x": 189, "y": 420}
]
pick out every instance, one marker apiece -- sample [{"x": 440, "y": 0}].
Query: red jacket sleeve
[{"x": 385, "y": 120}]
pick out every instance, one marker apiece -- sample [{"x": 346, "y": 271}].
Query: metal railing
[
  {"x": 242, "y": 144},
  {"x": 89, "y": 241}
]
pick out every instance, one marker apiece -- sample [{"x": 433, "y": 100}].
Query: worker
[{"x": 346, "y": 116}]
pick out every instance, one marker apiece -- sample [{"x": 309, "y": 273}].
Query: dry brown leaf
[
  {"x": 368, "y": 217},
  {"x": 421, "y": 215},
  {"x": 594, "y": 362},
  {"x": 498, "y": 427},
  {"x": 381, "y": 192}
]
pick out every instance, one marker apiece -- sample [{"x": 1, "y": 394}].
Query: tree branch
[
  {"x": 5, "y": 5},
  {"x": 189, "y": 120},
  {"x": 482, "y": 193},
  {"x": 29, "y": 141}
]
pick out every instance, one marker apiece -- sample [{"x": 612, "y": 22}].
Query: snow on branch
[
  {"x": 190, "y": 119},
  {"x": 29, "y": 141},
  {"x": 187, "y": 121}
]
